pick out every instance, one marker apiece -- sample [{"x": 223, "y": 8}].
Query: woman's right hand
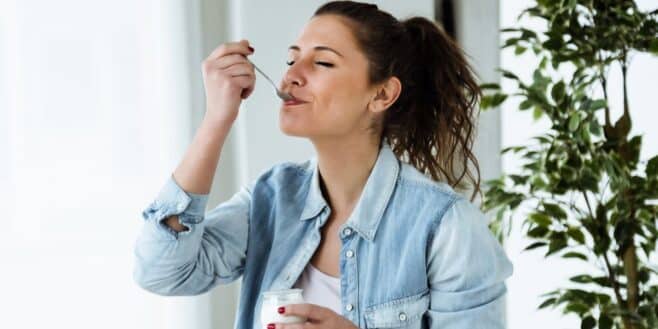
[{"x": 228, "y": 78}]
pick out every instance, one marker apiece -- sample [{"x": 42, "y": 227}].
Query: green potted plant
[{"x": 583, "y": 191}]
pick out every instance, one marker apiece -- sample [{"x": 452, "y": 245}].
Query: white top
[{"x": 320, "y": 288}]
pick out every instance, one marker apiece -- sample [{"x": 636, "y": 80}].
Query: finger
[
  {"x": 310, "y": 311},
  {"x": 230, "y": 60},
  {"x": 240, "y": 70},
  {"x": 288, "y": 326},
  {"x": 241, "y": 47}
]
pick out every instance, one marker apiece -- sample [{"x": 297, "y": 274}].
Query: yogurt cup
[{"x": 272, "y": 300}]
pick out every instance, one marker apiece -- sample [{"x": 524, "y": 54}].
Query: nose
[{"x": 292, "y": 77}]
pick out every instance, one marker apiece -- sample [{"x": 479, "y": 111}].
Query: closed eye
[
  {"x": 325, "y": 64},
  {"x": 319, "y": 63}
]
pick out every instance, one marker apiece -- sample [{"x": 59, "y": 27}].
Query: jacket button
[
  {"x": 349, "y": 307},
  {"x": 402, "y": 317},
  {"x": 349, "y": 254},
  {"x": 347, "y": 231}
]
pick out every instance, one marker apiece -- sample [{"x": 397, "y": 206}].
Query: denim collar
[{"x": 377, "y": 192}]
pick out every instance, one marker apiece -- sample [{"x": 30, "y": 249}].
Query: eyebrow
[{"x": 317, "y": 48}]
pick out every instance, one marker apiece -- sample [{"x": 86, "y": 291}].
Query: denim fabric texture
[{"x": 414, "y": 253}]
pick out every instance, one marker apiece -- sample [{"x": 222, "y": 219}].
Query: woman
[{"x": 372, "y": 240}]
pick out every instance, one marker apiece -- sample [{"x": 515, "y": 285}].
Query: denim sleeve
[
  {"x": 212, "y": 251},
  {"x": 467, "y": 268}
]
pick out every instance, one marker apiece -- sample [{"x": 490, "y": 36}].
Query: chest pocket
[{"x": 400, "y": 313}]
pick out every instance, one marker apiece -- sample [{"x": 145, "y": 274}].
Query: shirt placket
[{"x": 349, "y": 282}]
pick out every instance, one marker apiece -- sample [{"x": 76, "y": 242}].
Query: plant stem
[
  {"x": 630, "y": 269},
  {"x": 611, "y": 273},
  {"x": 624, "y": 68},
  {"x": 629, "y": 255},
  {"x": 630, "y": 264}
]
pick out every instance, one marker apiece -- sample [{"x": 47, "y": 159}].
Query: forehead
[{"x": 328, "y": 30}]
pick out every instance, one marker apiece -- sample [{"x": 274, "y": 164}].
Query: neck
[{"x": 344, "y": 170}]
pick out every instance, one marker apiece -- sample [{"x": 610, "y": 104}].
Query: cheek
[
  {"x": 338, "y": 108},
  {"x": 346, "y": 105}
]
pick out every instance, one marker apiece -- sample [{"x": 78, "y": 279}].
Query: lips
[{"x": 294, "y": 100}]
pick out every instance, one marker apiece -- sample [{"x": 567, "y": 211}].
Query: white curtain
[{"x": 94, "y": 114}]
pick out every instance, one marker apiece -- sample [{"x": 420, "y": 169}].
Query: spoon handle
[{"x": 265, "y": 75}]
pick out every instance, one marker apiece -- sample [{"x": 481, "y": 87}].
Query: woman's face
[{"x": 329, "y": 74}]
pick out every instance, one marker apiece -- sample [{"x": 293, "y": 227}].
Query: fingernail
[
  {"x": 270, "y": 326},
  {"x": 250, "y": 48},
  {"x": 281, "y": 310}
]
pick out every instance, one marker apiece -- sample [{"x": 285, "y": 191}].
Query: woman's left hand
[{"x": 318, "y": 317}]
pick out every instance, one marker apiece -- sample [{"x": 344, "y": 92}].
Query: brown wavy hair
[{"x": 432, "y": 123}]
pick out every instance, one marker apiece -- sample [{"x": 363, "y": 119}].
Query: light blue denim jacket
[{"x": 414, "y": 254}]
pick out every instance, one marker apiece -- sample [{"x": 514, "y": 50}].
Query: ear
[{"x": 386, "y": 94}]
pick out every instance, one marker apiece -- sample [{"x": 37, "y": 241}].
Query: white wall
[
  {"x": 94, "y": 117},
  {"x": 477, "y": 31}
]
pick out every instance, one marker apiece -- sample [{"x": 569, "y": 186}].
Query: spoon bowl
[{"x": 283, "y": 95}]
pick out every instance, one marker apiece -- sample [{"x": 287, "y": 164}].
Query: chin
[
  {"x": 292, "y": 130},
  {"x": 292, "y": 126}
]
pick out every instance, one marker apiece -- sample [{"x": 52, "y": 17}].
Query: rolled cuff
[{"x": 173, "y": 200}]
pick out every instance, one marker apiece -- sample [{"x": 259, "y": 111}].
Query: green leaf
[
  {"x": 519, "y": 50},
  {"x": 497, "y": 99},
  {"x": 513, "y": 149},
  {"x": 595, "y": 128},
  {"x": 510, "y": 42},
  {"x": 597, "y": 104},
  {"x": 652, "y": 167},
  {"x": 526, "y": 104},
  {"x": 554, "y": 210},
  {"x": 573, "y": 254},
  {"x": 489, "y": 86},
  {"x": 574, "y": 121},
  {"x": 578, "y": 308},
  {"x": 509, "y": 75},
  {"x": 538, "y": 232},
  {"x": 547, "y": 303},
  {"x": 588, "y": 322},
  {"x": 519, "y": 179},
  {"x": 605, "y": 322},
  {"x": 540, "y": 219},
  {"x": 602, "y": 281},
  {"x": 556, "y": 245},
  {"x": 576, "y": 234},
  {"x": 537, "y": 113},
  {"x": 581, "y": 278},
  {"x": 653, "y": 46},
  {"x": 535, "y": 245},
  {"x": 557, "y": 92},
  {"x": 485, "y": 102},
  {"x": 603, "y": 298}
]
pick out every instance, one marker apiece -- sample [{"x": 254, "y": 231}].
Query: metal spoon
[{"x": 281, "y": 94}]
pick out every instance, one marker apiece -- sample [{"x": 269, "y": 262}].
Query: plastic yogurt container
[{"x": 272, "y": 300}]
